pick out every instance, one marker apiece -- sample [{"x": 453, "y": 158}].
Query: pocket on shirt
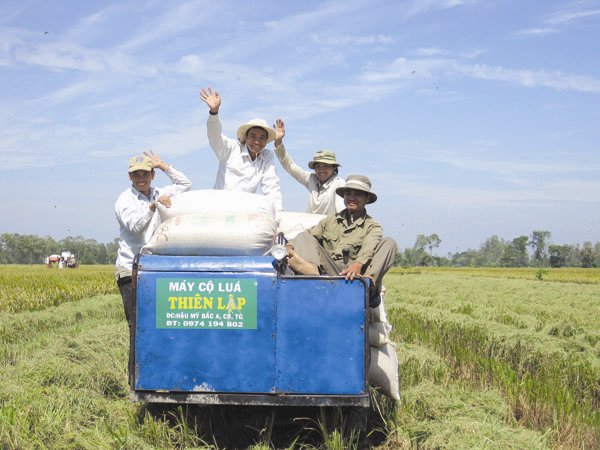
[{"x": 330, "y": 238}]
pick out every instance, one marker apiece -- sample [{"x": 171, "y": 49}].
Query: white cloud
[
  {"x": 377, "y": 39},
  {"x": 531, "y": 78},
  {"x": 438, "y": 192},
  {"x": 422, "y": 6},
  {"x": 9, "y": 12},
  {"x": 174, "y": 19},
  {"x": 537, "y": 31},
  {"x": 435, "y": 51},
  {"x": 561, "y": 19},
  {"x": 508, "y": 168},
  {"x": 190, "y": 64},
  {"x": 402, "y": 68},
  {"x": 567, "y": 17}
]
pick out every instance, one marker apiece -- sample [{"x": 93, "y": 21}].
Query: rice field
[
  {"x": 537, "y": 342},
  {"x": 35, "y": 287},
  {"x": 488, "y": 358}
]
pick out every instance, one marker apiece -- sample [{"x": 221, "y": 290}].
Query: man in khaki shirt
[{"x": 349, "y": 243}]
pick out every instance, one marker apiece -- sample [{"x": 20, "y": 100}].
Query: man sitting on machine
[{"x": 349, "y": 243}]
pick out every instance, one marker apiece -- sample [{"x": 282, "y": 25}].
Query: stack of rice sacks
[
  {"x": 383, "y": 367},
  {"x": 214, "y": 223}
]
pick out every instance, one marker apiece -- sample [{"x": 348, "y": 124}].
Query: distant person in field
[
  {"x": 350, "y": 234},
  {"x": 244, "y": 163},
  {"x": 135, "y": 210},
  {"x": 321, "y": 183}
]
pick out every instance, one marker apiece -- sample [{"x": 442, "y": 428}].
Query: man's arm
[
  {"x": 180, "y": 183},
  {"x": 373, "y": 236},
  {"x": 220, "y": 144},
  {"x": 133, "y": 214},
  {"x": 301, "y": 175}
]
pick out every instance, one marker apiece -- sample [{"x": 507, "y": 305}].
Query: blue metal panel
[
  {"x": 321, "y": 336},
  {"x": 204, "y": 360},
  {"x": 307, "y": 336}
]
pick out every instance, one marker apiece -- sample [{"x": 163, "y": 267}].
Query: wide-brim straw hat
[
  {"x": 243, "y": 129},
  {"x": 358, "y": 183},
  {"x": 325, "y": 157},
  {"x": 140, "y": 162}
]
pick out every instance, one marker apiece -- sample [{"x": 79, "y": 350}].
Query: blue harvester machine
[{"x": 236, "y": 330}]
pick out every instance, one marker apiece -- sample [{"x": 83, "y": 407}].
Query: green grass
[
  {"x": 563, "y": 274},
  {"x": 485, "y": 362},
  {"x": 537, "y": 343},
  {"x": 35, "y": 287}
]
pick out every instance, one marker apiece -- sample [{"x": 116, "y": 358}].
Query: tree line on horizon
[
  {"x": 31, "y": 249},
  {"x": 522, "y": 251}
]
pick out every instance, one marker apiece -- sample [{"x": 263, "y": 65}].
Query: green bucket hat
[
  {"x": 325, "y": 157},
  {"x": 358, "y": 183}
]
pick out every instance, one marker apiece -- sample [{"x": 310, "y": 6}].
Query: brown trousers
[{"x": 308, "y": 247}]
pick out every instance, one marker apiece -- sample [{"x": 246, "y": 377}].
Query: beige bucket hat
[
  {"x": 243, "y": 129},
  {"x": 140, "y": 162},
  {"x": 325, "y": 157},
  {"x": 358, "y": 183}
]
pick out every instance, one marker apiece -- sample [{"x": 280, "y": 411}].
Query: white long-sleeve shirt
[
  {"x": 137, "y": 222},
  {"x": 322, "y": 198},
  {"x": 237, "y": 171}
]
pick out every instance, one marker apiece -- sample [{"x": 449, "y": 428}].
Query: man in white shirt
[
  {"x": 321, "y": 184},
  {"x": 244, "y": 164},
  {"x": 135, "y": 210}
]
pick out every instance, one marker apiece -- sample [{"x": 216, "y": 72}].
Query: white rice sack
[
  {"x": 383, "y": 370},
  {"x": 377, "y": 314},
  {"x": 378, "y": 334},
  {"x": 379, "y": 327},
  {"x": 213, "y": 234},
  {"x": 293, "y": 223},
  {"x": 213, "y": 201}
]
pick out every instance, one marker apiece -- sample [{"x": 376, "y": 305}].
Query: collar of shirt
[
  {"x": 323, "y": 186},
  {"x": 246, "y": 153},
  {"x": 153, "y": 193},
  {"x": 341, "y": 217}
]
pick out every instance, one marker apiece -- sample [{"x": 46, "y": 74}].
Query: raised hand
[
  {"x": 211, "y": 98},
  {"x": 156, "y": 160},
  {"x": 279, "y": 131}
]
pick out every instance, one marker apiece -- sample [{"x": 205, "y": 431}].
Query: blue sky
[{"x": 472, "y": 118}]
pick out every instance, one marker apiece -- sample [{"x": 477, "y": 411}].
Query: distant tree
[
  {"x": 399, "y": 259},
  {"x": 420, "y": 255},
  {"x": 30, "y": 249},
  {"x": 573, "y": 257},
  {"x": 433, "y": 241},
  {"x": 537, "y": 242},
  {"x": 102, "y": 256},
  {"x": 587, "y": 255},
  {"x": 490, "y": 252},
  {"x": 597, "y": 254},
  {"x": 111, "y": 251},
  {"x": 515, "y": 253},
  {"x": 468, "y": 258}
]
